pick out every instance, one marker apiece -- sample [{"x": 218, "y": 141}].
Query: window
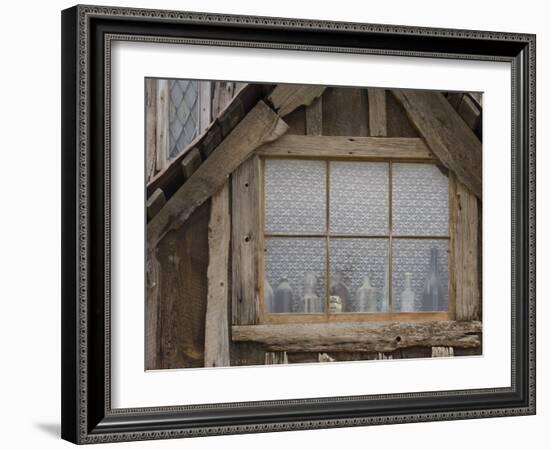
[
  {"x": 184, "y": 115},
  {"x": 360, "y": 239}
]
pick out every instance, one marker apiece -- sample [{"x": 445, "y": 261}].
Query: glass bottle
[
  {"x": 340, "y": 290},
  {"x": 432, "y": 294},
  {"x": 268, "y": 297},
  {"x": 384, "y": 302},
  {"x": 407, "y": 296},
  {"x": 283, "y": 297},
  {"x": 312, "y": 303},
  {"x": 367, "y": 297}
]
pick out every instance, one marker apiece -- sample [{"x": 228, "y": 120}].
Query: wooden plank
[
  {"x": 442, "y": 352},
  {"x": 360, "y": 336},
  {"x": 259, "y": 126},
  {"x": 470, "y": 112},
  {"x": 345, "y": 112},
  {"x": 398, "y": 124},
  {"x": 246, "y": 243},
  {"x": 150, "y": 128},
  {"x": 285, "y": 98},
  {"x": 216, "y": 337},
  {"x": 346, "y": 147},
  {"x": 191, "y": 162},
  {"x": 464, "y": 240},
  {"x": 176, "y": 296},
  {"x": 377, "y": 112},
  {"x": 314, "y": 118},
  {"x": 153, "y": 347},
  {"x": 447, "y": 135},
  {"x": 155, "y": 203},
  {"x": 163, "y": 123},
  {"x": 205, "y": 102},
  {"x": 272, "y": 358}
]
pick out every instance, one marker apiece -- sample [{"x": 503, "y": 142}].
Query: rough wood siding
[
  {"x": 345, "y": 112},
  {"x": 398, "y": 124},
  {"x": 465, "y": 250},
  {"x": 377, "y": 112},
  {"x": 150, "y": 127},
  {"x": 216, "y": 346},
  {"x": 246, "y": 243},
  {"x": 181, "y": 289}
]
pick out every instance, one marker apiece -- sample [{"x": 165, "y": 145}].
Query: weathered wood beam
[
  {"x": 216, "y": 334},
  {"x": 360, "y": 336},
  {"x": 259, "y": 126},
  {"x": 447, "y": 135},
  {"x": 464, "y": 233},
  {"x": 377, "y": 112},
  {"x": 162, "y": 124},
  {"x": 285, "y": 98},
  {"x": 150, "y": 127},
  {"x": 245, "y": 243},
  {"x": 191, "y": 162},
  {"x": 347, "y": 147},
  {"x": 155, "y": 203}
]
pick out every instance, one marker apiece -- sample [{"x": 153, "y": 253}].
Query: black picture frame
[{"x": 87, "y": 416}]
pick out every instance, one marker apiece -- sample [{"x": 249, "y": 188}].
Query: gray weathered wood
[
  {"x": 176, "y": 296},
  {"x": 464, "y": 231},
  {"x": 216, "y": 337},
  {"x": 259, "y": 126},
  {"x": 246, "y": 242},
  {"x": 377, "y": 112},
  {"x": 163, "y": 123},
  {"x": 191, "y": 162},
  {"x": 442, "y": 352},
  {"x": 273, "y": 358},
  {"x": 155, "y": 203},
  {"x": 150, "y": 127},
  {"x": 285, "y": 98},
  {"x": 345, "y": 112},
  {"x": 469, "y": 111},
  {"x": 205, "y": 102},
  {"x": 447, "y": 135},
  {"x": 314, "y": 117},
  {"x": 360, "y": 336},
  {"x": 347, "y": 147}
]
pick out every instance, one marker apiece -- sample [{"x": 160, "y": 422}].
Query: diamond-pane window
[{"x": 184, "y": 115}]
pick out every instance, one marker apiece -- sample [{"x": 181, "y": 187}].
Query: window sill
[{"x": 360, "y": 336}]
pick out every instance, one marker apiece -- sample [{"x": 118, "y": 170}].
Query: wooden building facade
[{"x": 205, "y": 265}]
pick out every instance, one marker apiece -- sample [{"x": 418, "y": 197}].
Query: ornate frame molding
[{"x": 87, "y": 422}]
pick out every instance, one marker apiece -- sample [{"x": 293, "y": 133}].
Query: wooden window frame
[{"x": 326, "y": 316}]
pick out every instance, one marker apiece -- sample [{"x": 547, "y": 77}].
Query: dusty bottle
[
  {"x": 340, "y": 290},
  {"x": 283, "y": 297},
  {"x": 407, "y": 296},
  {"x": 268, "y": 297},
  {"x": 312, "y": 302},
  {"x": 367, "y": 297},
  {"x": 432, "y": 294}
]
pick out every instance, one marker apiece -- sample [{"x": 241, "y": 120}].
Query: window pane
[
  {"x": 359, "y": 274},
  {"x": 420, "y": 275},
  {"x": 359, "y": 198},
  {"x": 295, "y": 270},
  {"x": 295, "y": 196},
  {"x": 420, "y": 200}
]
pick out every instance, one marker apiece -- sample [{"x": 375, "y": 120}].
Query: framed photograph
[{"x": 282, "y": 224}]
